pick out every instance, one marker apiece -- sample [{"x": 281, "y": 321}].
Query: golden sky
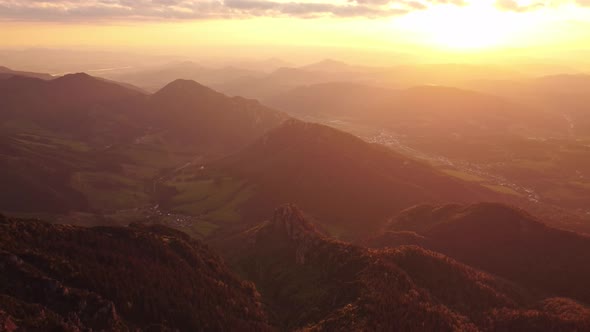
[{"x": 456, "y": 26}]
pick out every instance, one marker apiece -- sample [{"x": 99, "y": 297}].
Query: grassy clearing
[
  {"x": 203, "y": 228},
  {"x": 155, "y": 155},
  {"x": 110, "y": 192},
  {"x": 139, "y": 171},
  {"x": 194, "y": 191},
  {"x": 213, "y": 199}
]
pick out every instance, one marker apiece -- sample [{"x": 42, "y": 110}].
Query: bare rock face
[{"x": 289, "y": 222}]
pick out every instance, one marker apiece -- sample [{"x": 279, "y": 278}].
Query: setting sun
[{"x": 478, "y": 25}]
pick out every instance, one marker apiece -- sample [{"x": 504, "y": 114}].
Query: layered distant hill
[
  {"x": 419, "y": 111},
  {"x": 565, "y": 94},
  {"x": 311, "y": 281},
  {"x": 502, "y": 240},
  {"x": 57, "y": 277},
  {"x": 329, "y": 71},
  {"x": 7, "y": 73},
  {"x": 284, "y": 79},
  {"x": 154, "y": 78}
]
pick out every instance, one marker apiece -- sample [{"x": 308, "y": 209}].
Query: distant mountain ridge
[
  {"x": 421, "y": 110},
  {"x": 7, "y": 73},
  {"x": 154, "y": 78},
  {"x": 500, "y": 239}
]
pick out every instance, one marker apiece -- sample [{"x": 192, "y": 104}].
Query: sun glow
[{"x": 476, "y": 26}]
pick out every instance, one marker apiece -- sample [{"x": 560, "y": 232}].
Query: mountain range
[
  {"x": 161, "y": 279},
  {"x": 340, "y": 206},
  {"x": 312, "y": 281},
  {"x": 73, "y": 142},
  {"x": 419, "y": 111}
]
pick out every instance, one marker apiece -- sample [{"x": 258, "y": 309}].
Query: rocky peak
[{"x": 290, "y": 221}]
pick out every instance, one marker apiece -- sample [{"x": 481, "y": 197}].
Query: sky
[{"x": 479, "y": 27}]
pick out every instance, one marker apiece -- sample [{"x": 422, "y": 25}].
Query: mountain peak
[
  {"x": 81, "y": 87},
  {"x": 329, "y": 61},
  {"x": 290, "y": 221},
  {"x": 327, "y": 65},
  {"x": 76, "y": 77},
  {"x": 183, "y": 87},
  {"x": 184, "y": 84}
]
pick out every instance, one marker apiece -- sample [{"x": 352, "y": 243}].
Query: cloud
[
  {"x": 314, "y": 9},
  {"x": 107, "y": 9},
  {"x": 91, "y": 10},
  {"x": 514, "y": 6}
]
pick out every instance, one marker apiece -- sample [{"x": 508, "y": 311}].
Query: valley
[{"x": 381, "y": 211}]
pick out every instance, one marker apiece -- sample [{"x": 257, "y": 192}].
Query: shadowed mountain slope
[
  {"x": 206, "y": 117},
  {"x": 502, "y": 240},
  {"x": 337, "y": 177},
  {"x": 75, "y": 105},
  {"x": 77, "y": 142},
  {"x": 152, "y": 278},
  {"x": 309, "y": 280}
]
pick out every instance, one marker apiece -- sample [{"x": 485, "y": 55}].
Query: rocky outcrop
[{"x": 289, "y": 224}]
